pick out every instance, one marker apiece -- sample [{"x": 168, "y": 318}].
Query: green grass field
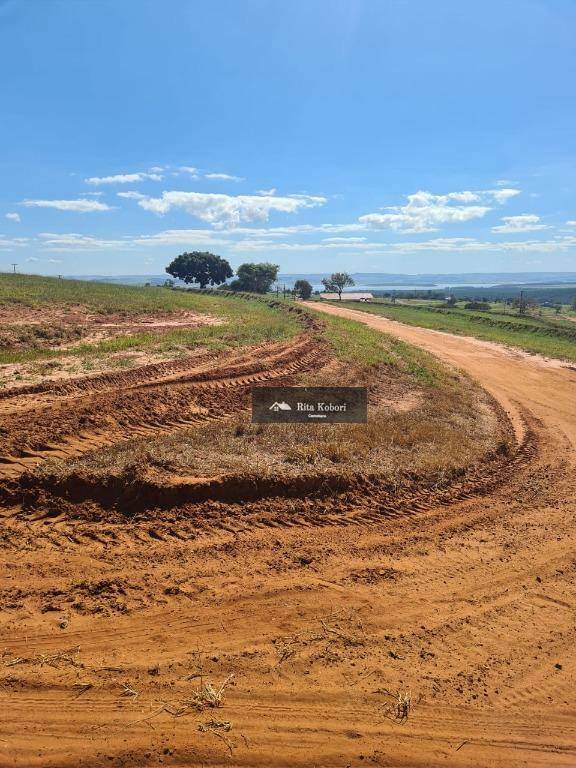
[
  {"x": 245, "y": 321},
  {"x": 549, "y": 336}
]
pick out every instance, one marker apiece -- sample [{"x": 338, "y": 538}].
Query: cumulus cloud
[
  {"x": 525, "y": 222},
  {"x": 126, "y": 178},
  {"x": 78, "y": 206},
  {"x": 13, "y": 217},
  {"x": 227, "y": 210},
  {"x": 222, "y": 177},
  {"x": 189, "y": 169},
  {"x": 503, "y": 195},
  {"x": 426, "y": 211},
  {"x": 266, "y": 192}
]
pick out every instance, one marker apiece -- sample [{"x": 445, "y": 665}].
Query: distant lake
[{"x": 375, "y": 286}]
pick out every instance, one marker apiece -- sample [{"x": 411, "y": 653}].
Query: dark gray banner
[{"x": 310, "y": 405}]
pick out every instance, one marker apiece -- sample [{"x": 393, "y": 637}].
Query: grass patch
[
  {"x": 106, "y": 298},
  {"x": 245, "y": 321},
  {"x": 423, "y": 418},
  {"x": 355, "y": 343},
  {"x": 551, "y": 338}
]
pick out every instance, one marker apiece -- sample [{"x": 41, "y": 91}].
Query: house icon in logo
[{"x": 280, "y": 406}]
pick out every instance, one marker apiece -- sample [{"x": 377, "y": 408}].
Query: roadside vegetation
[{"x": 548, "y": 335}]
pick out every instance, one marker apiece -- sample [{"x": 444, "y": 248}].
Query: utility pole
[{"x": 14, "y": 267}]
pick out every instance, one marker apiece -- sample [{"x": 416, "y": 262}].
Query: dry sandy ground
[
  {"x": 89, "y": 329},
  {"x": 467, "y": 610}
]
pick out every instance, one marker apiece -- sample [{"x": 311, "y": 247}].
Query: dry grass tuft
[{"x": 399, "y": 705}]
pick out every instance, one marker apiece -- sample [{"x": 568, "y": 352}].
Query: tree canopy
[
  {"x": 337, "y": 282},
  {"x": 200, "y": 267},
  {"x": 303, "y": 289},
  {"x": 255, "y": 278}
]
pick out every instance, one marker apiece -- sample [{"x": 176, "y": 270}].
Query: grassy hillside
[
  {"x": 549, "y": 337},
  {"x": 243, "y": 321}
]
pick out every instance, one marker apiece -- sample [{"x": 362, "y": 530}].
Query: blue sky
[{"x": 366, "y": 135}]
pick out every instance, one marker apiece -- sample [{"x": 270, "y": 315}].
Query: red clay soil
[
  {"x": 350, "y": 630},
  {"x": 70, "y": 418}
]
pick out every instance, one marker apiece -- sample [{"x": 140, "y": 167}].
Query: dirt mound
[{"x": 70, "y": 419}]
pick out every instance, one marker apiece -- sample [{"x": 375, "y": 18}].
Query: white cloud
[
  {"x": 131, "y": 195},
  {"x": 125, "y": 178},
  {"x": 505, "y": 183},
  {"x": 78, "y": 206},
  {"x": 194, "y": 172},
  {"x": 571, "y": 223},
  {"x": 426, "y": 211},
  {"x": 231, "y": 236},
  {"x": 503, "y": 195},
  {"x": 13, "y": 216},
  {"x": 222, "y": 177},
  {"x": 72, "y": 241},
  {"x": 184, "y": 237},
  {"x": 343, "y": 239},
  {"x": 266, "y": 192},
  {"x": 460, "y": 244},
  {"x": 301, "y": 229},
  {"x": 525, "y": 222},
  {"x": 227, "y": 210},
  {"x": 9, "y": 243}
]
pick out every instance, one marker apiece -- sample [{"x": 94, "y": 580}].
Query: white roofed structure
[{"x": 348, "y": 296}]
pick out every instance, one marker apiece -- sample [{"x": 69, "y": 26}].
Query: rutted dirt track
[
  {"x": 71, "y": 418},
  {"x": 468, "y": 607}
]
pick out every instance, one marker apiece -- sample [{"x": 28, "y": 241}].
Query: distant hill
[{"x": 374, "y": 279}]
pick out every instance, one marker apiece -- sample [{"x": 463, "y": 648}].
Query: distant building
[{"x": 348, "y": 296}]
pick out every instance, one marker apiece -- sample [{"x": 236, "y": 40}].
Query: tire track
[{"x": 178, "y": 400}]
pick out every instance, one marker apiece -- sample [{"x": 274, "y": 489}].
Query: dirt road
[
  {"x": 466, "y": 612},
  {"x": 546, "y": 388}
]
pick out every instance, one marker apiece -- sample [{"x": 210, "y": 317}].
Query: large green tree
[
  {"x": 255, "y": 278},
  {"x": 337, "y": 282},
  {"x": 200, "y": 267}
]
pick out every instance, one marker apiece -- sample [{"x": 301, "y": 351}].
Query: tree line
[{"x": 206, "y": 269}]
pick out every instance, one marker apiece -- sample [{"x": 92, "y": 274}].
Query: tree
[
  {"x": 337, "y": 282},
  {"x": 200, "y": 267},
  {"x": 303, "y": 289},
  {"x": 255, "y": 278},
  {"x": 573, "y": 305}
]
